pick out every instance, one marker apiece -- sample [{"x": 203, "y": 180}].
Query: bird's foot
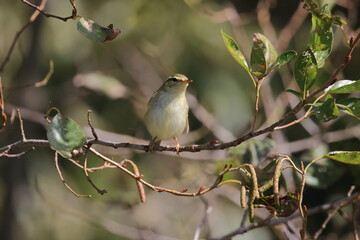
[
  {"x": 153, "y": 144},
  {"x": 177, "y": 146}
]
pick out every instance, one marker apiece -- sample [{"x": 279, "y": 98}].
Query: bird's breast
[{"x": 167, "y": 117}]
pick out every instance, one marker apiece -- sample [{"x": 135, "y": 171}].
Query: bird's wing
[
  {"x": 152, "y": 97},
  {"x": 186, "y": 130}
]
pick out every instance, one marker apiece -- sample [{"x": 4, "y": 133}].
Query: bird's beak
[{"x": 187, "y": 81}]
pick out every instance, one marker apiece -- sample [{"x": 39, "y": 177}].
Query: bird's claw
[
  {"x": 177, "y": 146},
  {"x": 153, "y": 144}
]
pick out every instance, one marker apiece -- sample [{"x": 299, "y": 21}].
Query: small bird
[{"x": 167, "y": 111}]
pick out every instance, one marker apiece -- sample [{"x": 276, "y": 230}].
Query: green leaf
[
  {"x": 321, "y": 38},
  {"x": 305, "y": 70},
  {"x": 263, "y": 55},
  {"x": 234, "y": 50},
  {"x": 65, "y": 135},
  {"x": 350, "y": 106},
  {"x": 344, "y": 86},
  {"x": 284, "y": 58},
  {"x": 95, "y": 32},
  {"x": 349, "y": 157},
  {"x": 327, "y": 110}
]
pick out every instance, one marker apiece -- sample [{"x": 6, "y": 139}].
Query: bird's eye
[{"x": 174, "y": 79}]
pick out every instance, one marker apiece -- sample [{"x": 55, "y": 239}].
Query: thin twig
[
  {"x": 16, "y": 155},
  {"x": 27, "y": 143},
  {"x": 302, "y": 208},
  {"x": 3, "y": 116},
  {"x": 330, "y": 215},
  {"x": 138, "y": 183},
  {"x": 87, "y": 146},
  {"x": 48, "y": 75},
  {"x": 345, "y": 216},
  {"x": 93, "y": 169},
  {"x": 351, "y": 190},
  {"x": 243, "y": 219},
  {"x": 257, "y": 96},
  {"x": 63, "y": 180},
  {"x": 305, "y": 116},
  {"x": 101, "y": 191},
  {"x": 41, "y": 83},
  {"x": 204, "y": 220},
  {"x": 21, "y": 125},
  {"x": 91, "y": 127},
  {"x": 72, "y": 16},
  {"x": 355, "y": 215},
  {"x": 202, "y": 190}
]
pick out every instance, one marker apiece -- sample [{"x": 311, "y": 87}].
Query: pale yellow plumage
[{"x": 167, "y": 111}]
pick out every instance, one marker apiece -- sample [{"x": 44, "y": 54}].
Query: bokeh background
[{"x": 115, "y": 79}]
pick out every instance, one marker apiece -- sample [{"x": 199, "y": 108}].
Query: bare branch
[
  {"x": 355, "y": 215},
  {"x": 202, "y": 190},
  {"x": 16, "y": 155},
  {"x": 26, "y": 143},
  {"x": 204, "y": 219},
  {"x": 91, "y": 127},
  {"x": 93, "y": 169},
  {"x": 138, "y": 183},
  {"x": 103, "y": 191},
  {"x": 63, "y": 180},
  {"x": 21, "y": 125},
  {"x": 41, "y": 10}
]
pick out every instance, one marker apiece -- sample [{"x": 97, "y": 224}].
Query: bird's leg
[
  {"x": 154, "y": 143},
  {"x": 177, "y": 146}
]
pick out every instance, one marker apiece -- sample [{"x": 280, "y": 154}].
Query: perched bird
[{"x": 167, "y": 111}]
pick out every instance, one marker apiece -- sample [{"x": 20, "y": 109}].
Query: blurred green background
[{"x": 115, "y": 79}]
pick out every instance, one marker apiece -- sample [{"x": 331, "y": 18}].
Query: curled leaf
[
  {"x": 305, "y": 70},
  {"x": 95, "y": 32},
  {"x": 65, "y": 135},
  {"x": 263, "y": 55}
]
